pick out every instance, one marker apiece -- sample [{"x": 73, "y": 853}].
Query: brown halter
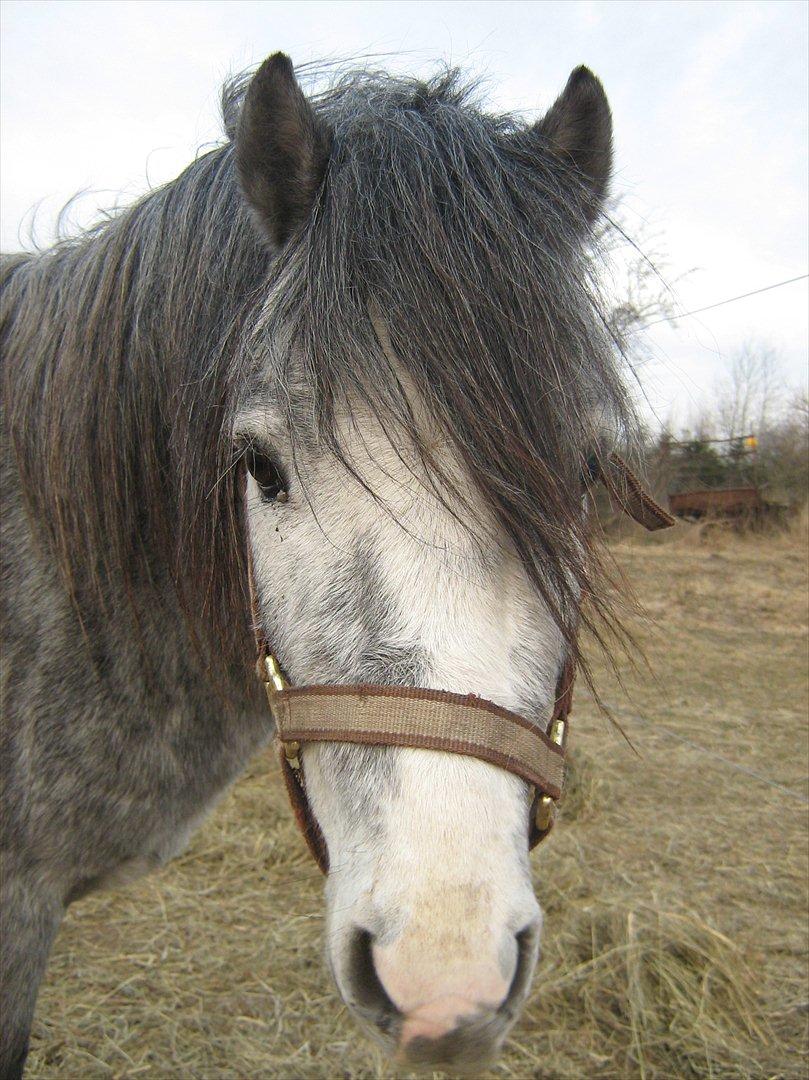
[{"x": 431, "y": 719}]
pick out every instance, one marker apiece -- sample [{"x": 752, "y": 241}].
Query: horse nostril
[
  {"x": 368, "y": 994},
  {"x": 527, "y": 953}
]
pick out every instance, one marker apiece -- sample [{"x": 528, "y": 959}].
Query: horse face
[
  {"x": 372, "y": 576},
  {"x": 368, "y": 573}
]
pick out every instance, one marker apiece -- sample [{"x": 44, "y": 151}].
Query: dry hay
[
  {"x": 587, "y": 788},
  {"x": 674, "y": 887},
  {"x": 660, "y": 991}
]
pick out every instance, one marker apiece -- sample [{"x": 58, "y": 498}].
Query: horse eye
[
  {"x": 590, "y": 470},
  {"x": 267, "y": 475}
]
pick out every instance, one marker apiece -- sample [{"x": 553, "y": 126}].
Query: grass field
[{"x": 675, "y": 887}]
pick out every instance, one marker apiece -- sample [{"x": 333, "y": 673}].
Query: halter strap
[
  {"x": 428, "y": 719},
  {"x": 416, "y": 717},
  {"x": 628, "y": 494}
]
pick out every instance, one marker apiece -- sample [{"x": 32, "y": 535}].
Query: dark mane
[
  {"x": 125, "y": 349},
  {"x": 119, "y": 349}
]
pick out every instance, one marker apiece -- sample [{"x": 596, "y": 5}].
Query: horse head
[{"x": 426, "y": 380}]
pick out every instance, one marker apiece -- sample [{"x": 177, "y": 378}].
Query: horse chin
[{"x": 457, "y": 1054}]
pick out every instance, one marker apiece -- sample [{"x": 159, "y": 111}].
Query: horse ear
[
  {"x": 577, "y": 129},
  {"x": 281, "y": 149}
]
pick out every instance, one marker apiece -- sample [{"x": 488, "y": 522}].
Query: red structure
[{"x": 722, "y": 502}]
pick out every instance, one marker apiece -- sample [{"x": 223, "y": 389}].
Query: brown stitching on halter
[{"x": 428, "y": 742}]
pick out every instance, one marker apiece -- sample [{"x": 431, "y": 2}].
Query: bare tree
[
  {"x": 784, "y": 451},
  {"x": 641, "y": 290},
  {"x": 748, "y": 394}
]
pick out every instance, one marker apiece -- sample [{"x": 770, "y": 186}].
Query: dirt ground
[{"x": 675, "y": 886}]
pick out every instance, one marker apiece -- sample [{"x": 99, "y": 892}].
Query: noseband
[{"x": 431, "y": 719}]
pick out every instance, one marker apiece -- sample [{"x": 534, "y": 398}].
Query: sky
[{"x": 102, "y": 100}]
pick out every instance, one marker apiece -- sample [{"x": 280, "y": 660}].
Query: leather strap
[
  {"x": 431, "y": 719},
  {"x": 628, "y": 494},
  {"x": 428, "y": 719}
]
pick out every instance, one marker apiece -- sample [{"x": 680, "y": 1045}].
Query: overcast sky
[{"x": 709, "y": 101}]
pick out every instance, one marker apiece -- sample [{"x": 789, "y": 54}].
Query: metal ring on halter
[
  {"x": 269, "y": 671},
  {"x": 546, "y": 806}
]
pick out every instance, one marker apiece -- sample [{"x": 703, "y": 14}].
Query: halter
[{"x": 431, "y": 719}]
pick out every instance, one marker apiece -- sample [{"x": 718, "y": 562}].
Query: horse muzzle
[{"x": 442, "y": 990}]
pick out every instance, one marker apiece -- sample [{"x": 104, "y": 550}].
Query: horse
[{"x": 361, "y": 346}]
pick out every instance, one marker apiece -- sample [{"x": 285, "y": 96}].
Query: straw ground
[{"x": 675, "y": 886}]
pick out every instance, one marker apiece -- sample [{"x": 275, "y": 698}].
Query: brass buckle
[
  {"x": 546, "y": 808},
  {"x": 270, "y": 674},
  {"x": 291, "y": 751},
  {"x": 274, "y": 683}
]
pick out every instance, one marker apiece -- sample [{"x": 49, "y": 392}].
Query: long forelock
[{"x": 478, "y": 257}]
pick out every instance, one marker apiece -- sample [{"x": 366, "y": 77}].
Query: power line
[{"x": 721, "y": 303}]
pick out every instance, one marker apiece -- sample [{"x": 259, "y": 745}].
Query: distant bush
[{"x": 783, "y": 454}]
